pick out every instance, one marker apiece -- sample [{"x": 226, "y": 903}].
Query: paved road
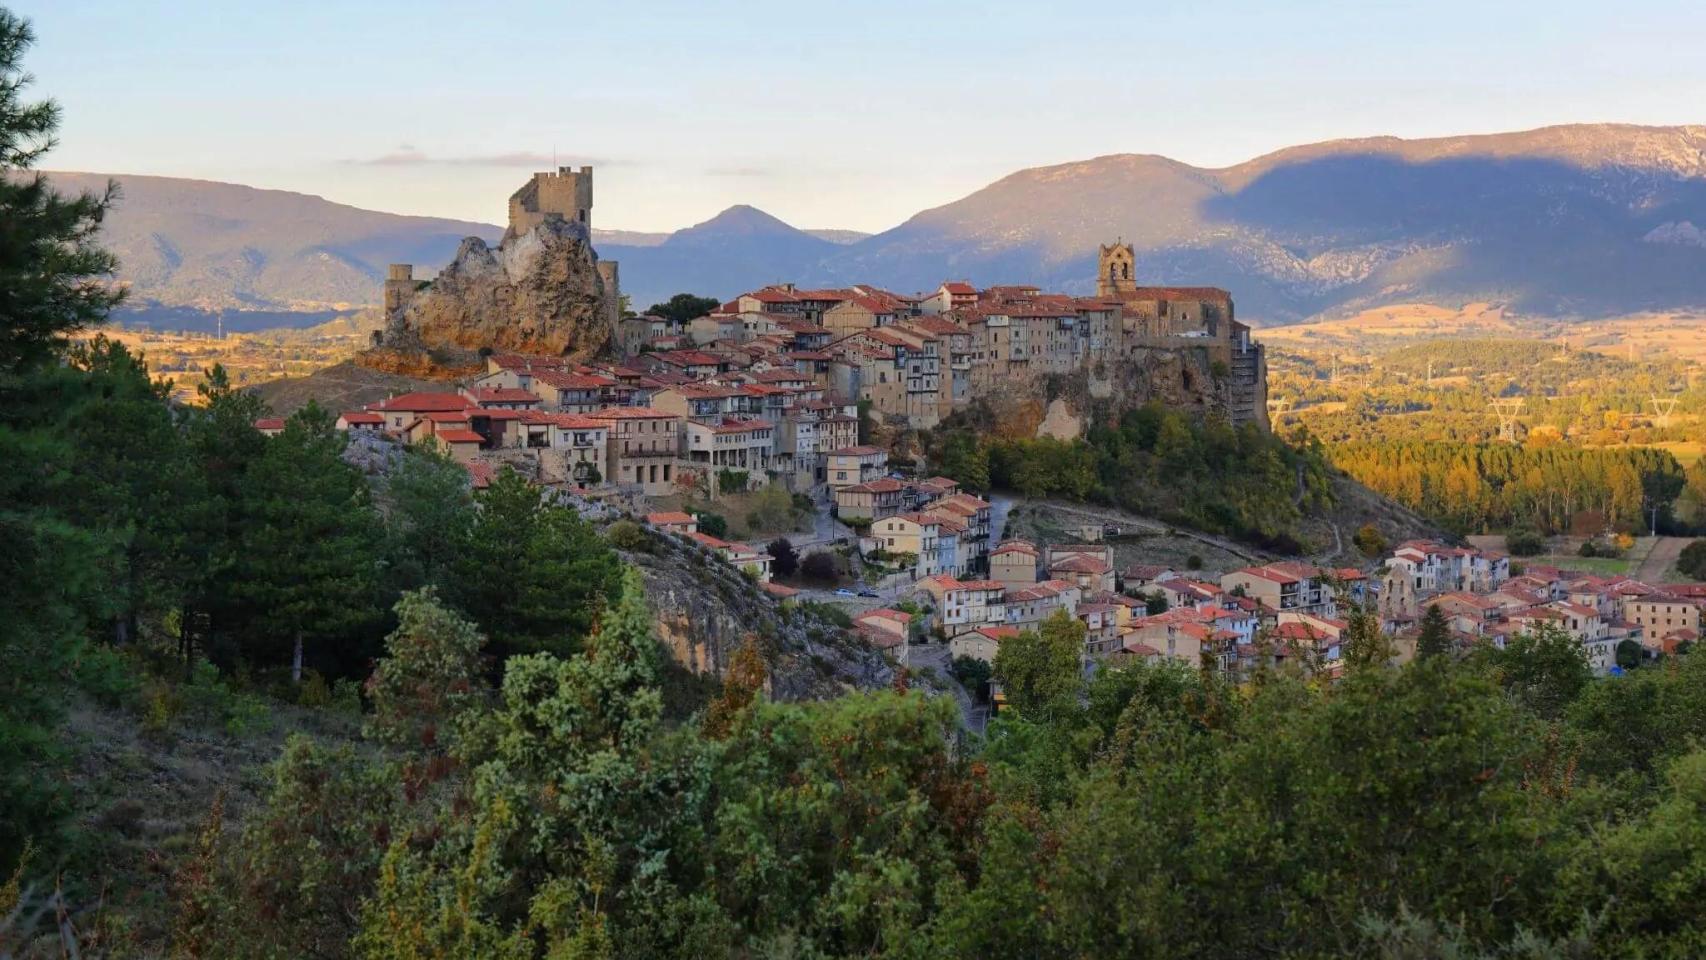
[
  {"x": 1660, "y": 559},
  {"x": 936, "y": 656},
  {"x": 999, "y": 508}
]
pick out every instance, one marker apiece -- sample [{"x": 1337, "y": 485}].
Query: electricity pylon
[
  {"x": 1507, "y": 409},
  {"x": 1663, "y": 407}
]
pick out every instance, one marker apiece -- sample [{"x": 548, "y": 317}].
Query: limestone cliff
[
  {"x": 1196, "y": 380},
  {"x": 706, "y": 610},
  {"x": 538, "y": 292}
]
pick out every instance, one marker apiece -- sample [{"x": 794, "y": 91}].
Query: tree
[
  {"x": 683, "y": 307},
  {"x": 309, "y": 563},
  {"x": 431, "y": 682},
  {"x": 52, "y": 283},
  {"x": 534, "y": 575},
  {"x": 1363, "y": 643},
  {"x": 1691, "y": 561},
  {"x": 1369, "y": 540},
  {"x": 783, "y": 560},
  {"x": 430, "y": 519},
  {"x": 1155, "y": 602},
  {"x": 820, "y": 566},
  {"x": 1545, "y": 668},
  {"x": 1435, "y": 637},
  {"x": 1525, "y": 543},
  {"x": 711, "y": 524},
  {"x": 973, "y": 674},
  {"x": 52, "y": 272},
  {"x": 1039, "y": 670},
  {"x": 1629, "y": 654}
]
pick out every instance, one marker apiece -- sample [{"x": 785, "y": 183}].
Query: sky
[{"x": 850, "y": 115}]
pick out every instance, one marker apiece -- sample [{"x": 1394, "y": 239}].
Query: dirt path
[{"x": 1661, "y": 559}]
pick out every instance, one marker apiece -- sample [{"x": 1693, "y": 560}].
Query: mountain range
[{"x": 1580, "y": 220}]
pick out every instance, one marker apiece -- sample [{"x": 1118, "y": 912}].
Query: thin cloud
[
  {"x": 408, "y": 156},
  {"x": 739, "y": 172}
]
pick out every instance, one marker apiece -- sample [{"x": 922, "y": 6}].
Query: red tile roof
[
  {"x": 460, "y": 436},
  {"x": 422, "y": 403}
]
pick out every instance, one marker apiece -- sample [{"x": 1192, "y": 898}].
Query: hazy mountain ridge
[{"x": 1577, "y": 220}]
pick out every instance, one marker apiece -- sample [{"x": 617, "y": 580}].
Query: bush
[
  {"x": 820, "y": 566},
  {"x": 712, "y": 524},
  {"x": 1369, "y": 540},
  {"x": 1692, "y": 561},
  {"x": 1525, "y": 543},
  {"x": 628, "y": 535},
  {"x": 973, "y": 674},
  {"x": 315, "y": 692},
  {"x": 1588, "y": 549},
  {"x": 784, "y": 562},
  {"x": 1193, "y": 562},
  {"x": 108, "y": 675}
]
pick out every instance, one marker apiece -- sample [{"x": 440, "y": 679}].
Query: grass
[{"x": 1570, "y": 561}]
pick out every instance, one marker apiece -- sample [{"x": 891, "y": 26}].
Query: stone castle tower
[
  {"x": 1115, "y": 270},
  {"x": 566, "y": 193}
]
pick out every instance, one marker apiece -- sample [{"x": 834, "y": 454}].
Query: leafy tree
[
  {"x": 712, "y": 524},
  {"x": 683, "y": 307},
  {"x": 1629, "y": 654},
  {"x": 961, "y": 457},
  {"x": 1039, "y": 670},
  {"x": 1155, "y": 602},
  {"x": 1370, "y": 540},
  {"x": 1525, "y": 543},
  {"x": 784, "y": 562},
  {"x": 1692, "y": 561},
  {"x": 1544, "y": 668},
  {"x": 1363, "y": 644},
  {"x": 973, "y": 674},
  {"x": 1435, "y": 637},
  {"x": 431, "y": 684},
  {"x": 820, "y": 566}
]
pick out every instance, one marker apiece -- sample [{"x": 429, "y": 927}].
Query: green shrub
[
  {"x": 108, "y": 675},
  {"x": 628, "y": 535},
  {"x": 1525, "y": 543},
  {"x": 1692, "y": 561},
  {"x": 315, "y": 691}
]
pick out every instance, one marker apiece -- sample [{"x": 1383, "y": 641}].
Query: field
[{"x": 249, "y": 358}]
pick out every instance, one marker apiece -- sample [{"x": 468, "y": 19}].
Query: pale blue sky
[{"x": 852, "y": 114}]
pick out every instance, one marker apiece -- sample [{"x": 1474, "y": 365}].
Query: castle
[{"x": 563, "y": 196}]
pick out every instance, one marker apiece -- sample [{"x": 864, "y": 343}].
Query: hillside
[
  {"x": 1569, "y": 221},
  {"x": 208, "y": 245}
]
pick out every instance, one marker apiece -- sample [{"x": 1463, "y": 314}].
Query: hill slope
[
  {"x": 1592, "y": 220},
  {"x": 197, "y": 243}
]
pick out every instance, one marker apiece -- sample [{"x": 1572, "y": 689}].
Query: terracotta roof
[
  {"x": 422, "y": 402},
  {"x": 502, "y": 395},
  {"x": 481, "y": 473},
  {"x": 360, "y": 416},
  {"x": 879, "y": 485},
  {"x": 270, "y": 423},
  {"x": 669, "y": 517},
  {"x": 631, "y": 413},
  {"x": 460, "y": 436}
]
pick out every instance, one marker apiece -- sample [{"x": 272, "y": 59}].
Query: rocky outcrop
[
  {"x": 706, "y": 610},
  {"x": 538, "y": 292}
]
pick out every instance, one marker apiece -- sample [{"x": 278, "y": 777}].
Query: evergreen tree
[
  {"x": 429, "y": 520},
  {"x": 534, "y": 575},
  {"x": 309, "y": 561},
  {"x": 1435, "y": 637},
  {"x": 53, "y": 281}
]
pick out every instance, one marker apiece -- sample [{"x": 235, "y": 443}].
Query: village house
[
  {"x": 1014, "y": 563},
  {"x": 864, "y": 502},
  {"x": 1283, "y": 586},
  {"x": 360, "y": 421},
  {"x": 1090, "y": 566},
  {"x": 982, "y": 643},
  {"x": 1030, "y": 606},
  {"x": 674, "y": 522},
  {"x": 642, "y": 448},
  {"x": 742, "y": 556},
  {"x": 853, "y": 465}
]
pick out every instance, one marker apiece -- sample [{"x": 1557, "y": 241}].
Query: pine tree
[
  {"x": 1435, "y": 637},
  {"x": 53, "y": 281}
]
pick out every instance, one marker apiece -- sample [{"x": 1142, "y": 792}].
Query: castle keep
[{"x": 550, "y": 292}]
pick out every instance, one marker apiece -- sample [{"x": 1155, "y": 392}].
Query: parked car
[
  {"x": 844, "y": 592},
  {"x": 867, "y": 593}
]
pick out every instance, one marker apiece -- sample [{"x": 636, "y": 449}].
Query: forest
[
  {"x": 1242, "y": 482},
  {"x": 483, "y": 759},
  {"x": 1487, "y": 487}
]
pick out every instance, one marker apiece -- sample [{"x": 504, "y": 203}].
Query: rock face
[
  {"x": 538, "y": 292},
  {"x": 706, "y": 610}
]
